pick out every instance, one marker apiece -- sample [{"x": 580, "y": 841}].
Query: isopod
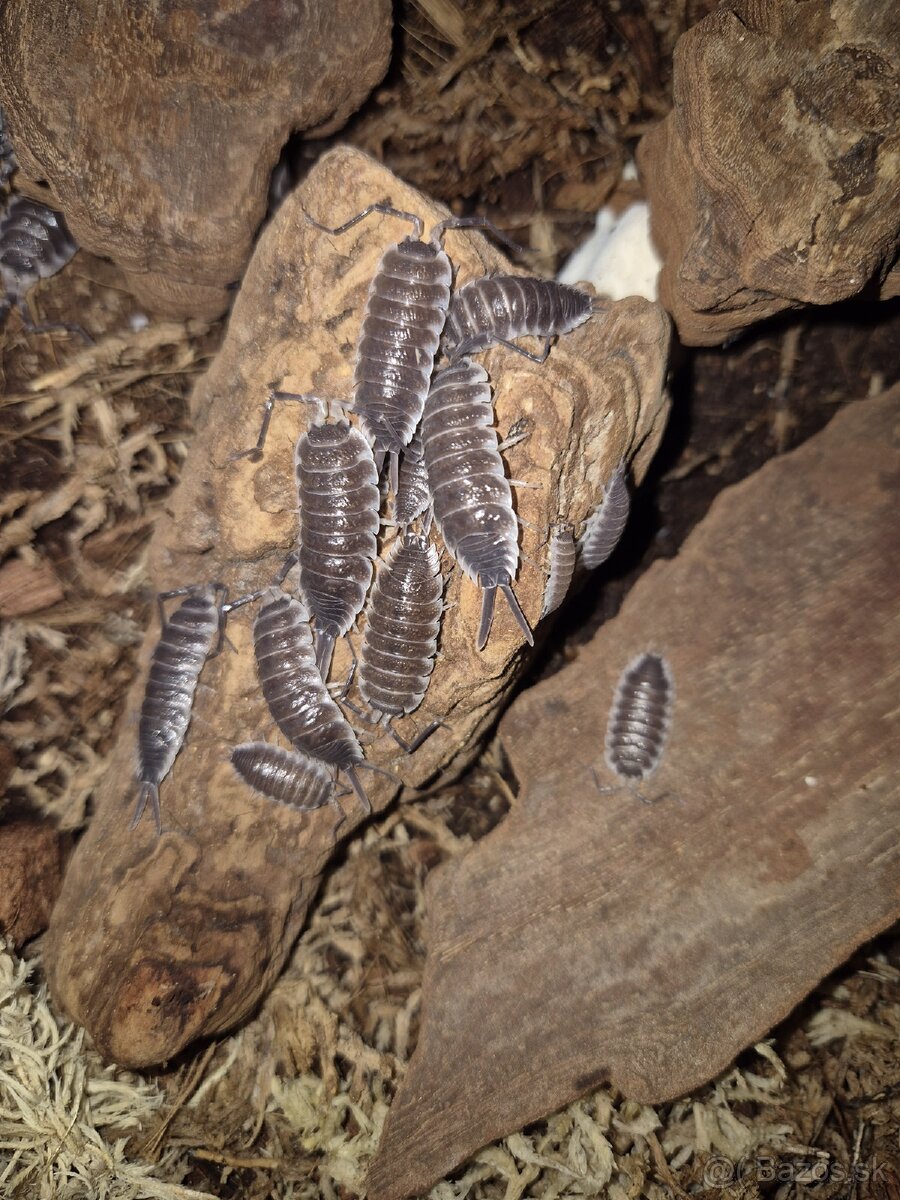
[
  {"x": 402, "y": 625},
  {"x": 412, "y": 499},
  {"x": 337, "y": 486},
  {"x": 500, "y": 308},
  {"x": 8, "y": 162},
  {"x": 401, "y": 330},
  {"x": 562, "y": 567},
  {"x": 640, "y": 718},
  {"x": 184, "y": 645},
  {"x": 338, "y": 501},
  {"x": 471, "y": 495},
  {"x": 605, "y": 524},
  {"x": 295, "y": 692},
  {"x": 287, "y": 776},
  {"x": 34, "y": 244}
]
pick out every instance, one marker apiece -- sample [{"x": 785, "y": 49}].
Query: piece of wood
[
  {"x": 774, "y": 181},
  {"x": 27, "y": 588},
  {"x": 594, "y": 938},
  {"x": 156, "y": 942},
  {"x": 31, "y": 867},
  {"x": 154, "y": 127}
]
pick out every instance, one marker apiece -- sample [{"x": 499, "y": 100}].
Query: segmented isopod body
[
  {"x": 605, "y": 524},
  {"x": 470, "y": 492},
  {"x": 402, "y": 625},
  {"x": 412, "y": 498},
  {"x": 8, "y": 162},
  {"x": 183, "y": 647},
  {"x": 562, "y": 568},
  {"x": 294, "y": 690},
  {"x": 337, "y": 486},
  {"x": 500, "y": 308},
  {"x": 640, "y": 718},
  {"x": 34, "y": 244},
  {"x": 287, "y": 776}
]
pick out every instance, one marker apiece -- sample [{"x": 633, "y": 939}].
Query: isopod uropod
[
  {"x": 562, "y": 567},
  {"x": 295, "y": 692},
  {"x": 287, "y": 776},
  {"x": 470, "y": 492},
  {"x": 500, "y": 308},
  {"x": 402, "y": 625},
  {"x": 640, "y": 718},
  {"x": 605, "y": 524},
  {"x": 184, "y": 645}
]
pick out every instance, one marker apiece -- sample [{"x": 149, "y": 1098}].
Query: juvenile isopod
[
  {"x": 412, "y": 499},
  {"x": 34, "y": 244},
  {"x": 338, "y": 501},
  {"x": 640, "y": 718},
  {"x": 500, "y": 308},
  {"x": 401, "y": 330},
  {"x": 562, "y": 567},
  {"x": 184, "y": 645},
  {"x": 295, "y": 692},
  {"x": 403, "y": 621},
  {"x": 287, "y": 776},
  {"x": 605, "y": 524},
  {"x": 471, "y": 495}
]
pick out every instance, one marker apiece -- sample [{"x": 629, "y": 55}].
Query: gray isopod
[
  {"x": 401, "y": 330},
  {"x": 500, "y": 308},
  {"x": 183, "y": 647},
  {"x": 337, "y": 486},
  {"x": 295, "y": 692},
  {"x": 605, "y": 524},
  {"x": 403, "y": 621},
  {"x": 287, "y": 776},
  {"x": 470, "y": 492},
  {"x": 8, "y": 162},
  {"x": 34, "y": 244},
  {"x": 413, "y": 498},
  {"x": 562, "y": 567},
  {"x": 640, "y": 718}
]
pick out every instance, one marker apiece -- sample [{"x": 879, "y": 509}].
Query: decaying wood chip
[
  {"x": 156, "y": 942},
  {"x": 592, "y": 937},
  {"x": 27, "y": 588},
  {"x": 155, "y": 127},
  {"x": 31, "y": 863},
  {"x": 774, "y": 182}
]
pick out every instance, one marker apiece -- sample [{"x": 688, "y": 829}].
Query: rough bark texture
[
  {"x": 156, "y": 126},
  {"x": 775, "y": 182},
  {"x": 31, "y": 867},
  {"x": 157, "y": 942},
  {"x": 594, "y": 938}
]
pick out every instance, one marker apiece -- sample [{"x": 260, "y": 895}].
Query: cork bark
[
  {"x": 154, "y": 127},
  {"x": 157, "y": 942},
  {"x": 593, "y": 938},
  {"x": 774, "y": 182}
]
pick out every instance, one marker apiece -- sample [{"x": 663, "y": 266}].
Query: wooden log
[
  {"x": 158, "y": 941},
  {"x": 773, "y": 183},
  {"x": 593, "y": 938},
  {"x": 155, "y": 127}
]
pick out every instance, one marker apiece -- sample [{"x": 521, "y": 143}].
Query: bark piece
[
  {"x": 774, "y": 183},
  {"x": 594, "y": 938},
  {"x": 31, "y": 865},
  {"x": 157, "y": 942},
  {"x": 156, "y": 126},
  {"x": 27, "y": 588}
]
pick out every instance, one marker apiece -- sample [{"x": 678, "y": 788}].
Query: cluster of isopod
[{"x": 425, "y": 428}]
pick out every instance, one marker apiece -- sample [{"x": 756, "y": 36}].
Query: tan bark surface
[
  {"x": 157, "y": 125},
  {"x": 153, "y": 942},
  {"x": 775, "y": 181},
  {"x": 592, "y": 937}
]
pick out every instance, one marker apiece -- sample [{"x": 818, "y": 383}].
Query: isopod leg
[
  {"x": 412, "y": 747},
  {"x": 386, "y": 209},
  {"x": 149, "y": 791},
  {"x": 536, "y": 358}
]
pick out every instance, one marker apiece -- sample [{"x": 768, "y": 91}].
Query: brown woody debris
[
  {"x": 31, "y": 863},
  {"x": 594, "y": 938},
  {"x": 774, "y": 183},
  {"x": 160, "y": 146},
  {"x": 27, "y": 588}
]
